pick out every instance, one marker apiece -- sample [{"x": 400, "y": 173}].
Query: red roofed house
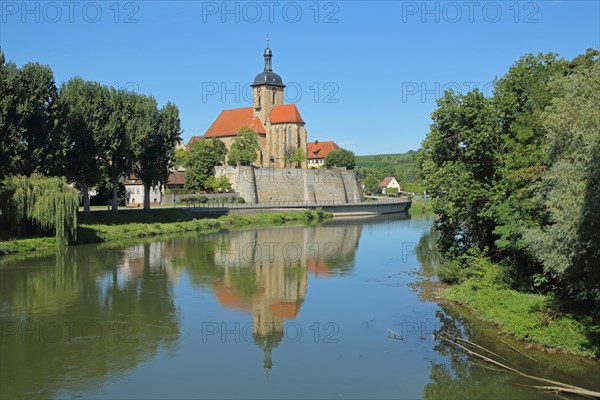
[
  {"x": 279, "y": 126},
  {"x": 389, "y": 182},
  {"x": 317, "y": 151}
]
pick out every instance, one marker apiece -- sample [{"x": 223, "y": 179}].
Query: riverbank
[
  {"x": 420, "y": 208},
  {"x": 106, "y": 226},
  {"x": 528, "y": 317}
]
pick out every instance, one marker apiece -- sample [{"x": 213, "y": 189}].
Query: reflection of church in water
[{"x": 265, "y": 273}]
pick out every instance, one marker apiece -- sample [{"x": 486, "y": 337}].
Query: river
[{"x": 299, "y": 311}]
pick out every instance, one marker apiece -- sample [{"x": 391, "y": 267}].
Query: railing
[{"x": 290, "y": 204}]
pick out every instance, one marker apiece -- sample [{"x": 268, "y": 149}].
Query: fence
[{"x": 292, "y": 204}]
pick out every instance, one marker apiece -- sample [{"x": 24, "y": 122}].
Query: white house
[
  {"x": 389, "y": 182},
  {"x": 134, "y": 189}
]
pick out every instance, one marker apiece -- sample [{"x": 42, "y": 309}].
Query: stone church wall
[{"x": 264, "y": 185}]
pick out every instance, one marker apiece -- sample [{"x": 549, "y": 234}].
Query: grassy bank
[
  {"x": 529, "y": 317},
  {"x": 105, "y": 226},
  {"x": 419, "y": 208}
]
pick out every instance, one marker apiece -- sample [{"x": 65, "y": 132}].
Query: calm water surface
[{"x": 281, "y": 312}]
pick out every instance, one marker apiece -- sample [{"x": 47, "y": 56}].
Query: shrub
[{"x": 240, "y": 200}]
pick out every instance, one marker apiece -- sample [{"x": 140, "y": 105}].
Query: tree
[
  {"x": 340, "y": 158},
  {"x": 215, "y": 184},
  {"x": 459, "y": 166},
  {"x": 298, "y": 157},
  {"x": 86, "y": 116},
  {"x": 11, "y": 142},
  {"x": 520, "y": 96},
  {"x": 244, "y": 148},
  {"x": 180, "y": 157},
  {"x": 33, "y": 139},
  {"x": 201, "y": 160},
  {"x": 567, "y": 243},
  {"x": 159, "y": 132},
  {"x": 372, "y": 185},
  {"x": 39, "y": 204}
]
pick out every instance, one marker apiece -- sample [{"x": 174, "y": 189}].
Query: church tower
[{"x": 267, "y": 90}]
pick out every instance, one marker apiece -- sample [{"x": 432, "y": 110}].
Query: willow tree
[{"x": 39, "y": 205}]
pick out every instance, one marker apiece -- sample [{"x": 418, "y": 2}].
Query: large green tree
[
  {"x": 86, "y": 115},
  {"x": 155, "y": 144},
  {"x": 520, "y": 96},
  {"x": 568, "y": 242},
  {"x": 203, "y": 155},
  {"x": 340, "y": 158},
  {"x": 33, "y": 138},
  {"x": 460, "y": 158},
  {"x": 133, "y": 117},
  {"x": 244, "y": 148}
]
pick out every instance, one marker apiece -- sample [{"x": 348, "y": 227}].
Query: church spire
[{"x": 268, "y": 54}]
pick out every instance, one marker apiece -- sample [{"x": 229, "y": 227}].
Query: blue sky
[{"x": 365, "y": 74}]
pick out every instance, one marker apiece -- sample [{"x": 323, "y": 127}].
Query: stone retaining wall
[{"x": 264, "y": 185}]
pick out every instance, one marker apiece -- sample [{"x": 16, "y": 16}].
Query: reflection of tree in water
[
  {"x": 427, "y": 253},
  {"x": 464, "y": 377},
  {"x": 128, "y": 320}
]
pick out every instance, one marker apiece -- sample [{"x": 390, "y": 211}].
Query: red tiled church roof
[
  {"x": 283, "y": 309},
  {"x": 317, "y": 150},
  {"x": 229, "y": 122},
  {"x": 285, "y": 113}
]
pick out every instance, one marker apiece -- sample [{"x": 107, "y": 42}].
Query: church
[{"x": 279, "y": 126}]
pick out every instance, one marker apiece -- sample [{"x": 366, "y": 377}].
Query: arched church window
[
  {"x": 299, "y": 137},
  {"x": 290, "y": 142}
]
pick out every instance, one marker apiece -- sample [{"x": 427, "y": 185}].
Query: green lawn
[{"x": 104, "y": 226}]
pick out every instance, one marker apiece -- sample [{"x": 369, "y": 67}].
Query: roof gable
[
  {"x": 321, "y": 149},
  {"x": 386, "y": 181},
  {"x": 285, "y": 113},
  {"x": 229, "y": 123}
]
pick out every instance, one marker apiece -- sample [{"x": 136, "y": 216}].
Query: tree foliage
[
  {"x": 372, "y": 185},
  {"x": 568, "y": 245},
  {"x": 158, "y": 133},
  {"x": 340, "y": 158},
  {"x": 200, "y": 162},
  {"x": 220, "y": 184},
  {"x": 459, "y": 169},
  {"x": 33, "y": 138},
  {"x": 244, "y": 148},
  {"x": 85, "y": 131},
  {"x": 514, "y": 178},
  {"x": 86, "y": 115},
  {"x": 39, "y": 204}
]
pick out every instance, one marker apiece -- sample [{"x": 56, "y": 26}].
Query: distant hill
[
  {"x": 386, "y": 159},
  {"x": 402, "y": 166}
]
